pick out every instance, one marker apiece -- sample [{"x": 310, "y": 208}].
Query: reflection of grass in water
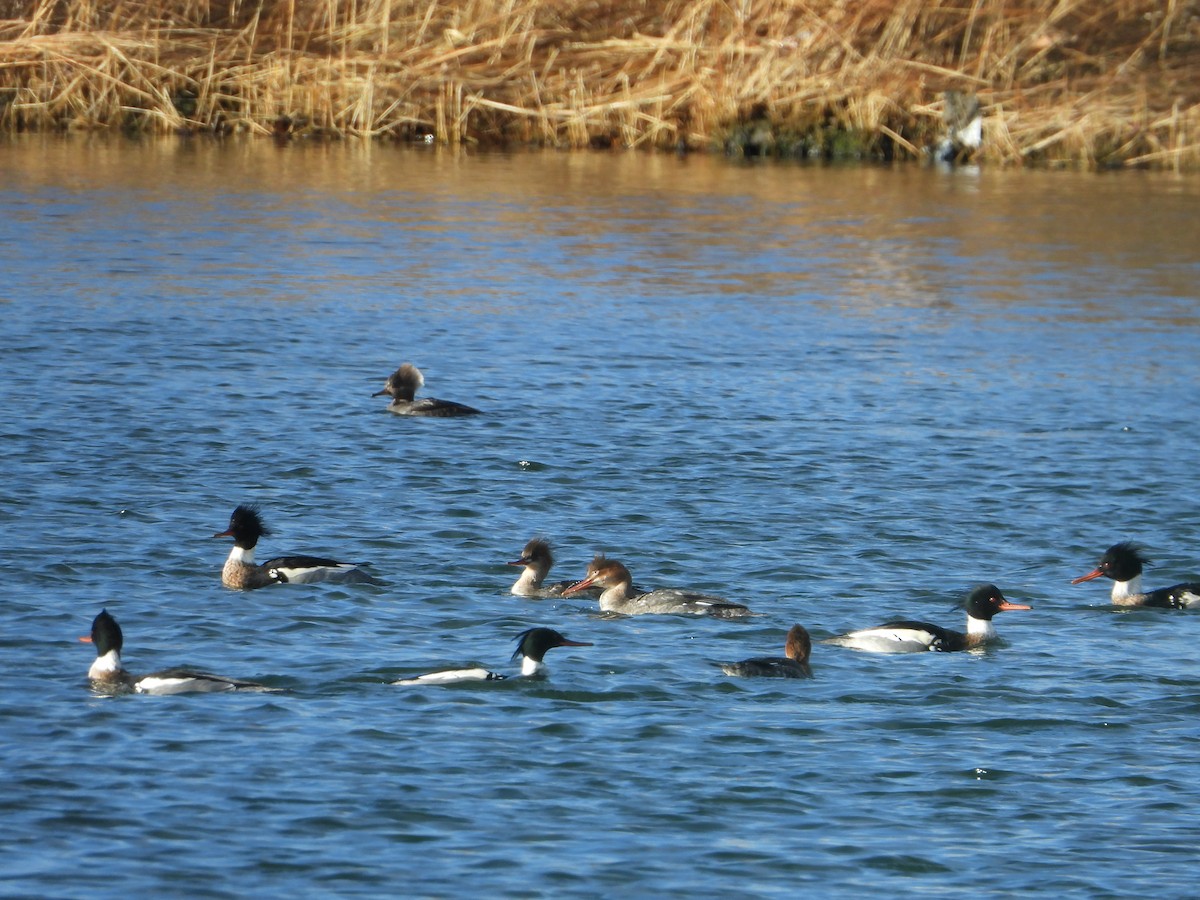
[{"x": 1079, "y": 82}]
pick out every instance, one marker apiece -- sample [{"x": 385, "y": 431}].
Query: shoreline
[{"x": 1112, "y": 88}]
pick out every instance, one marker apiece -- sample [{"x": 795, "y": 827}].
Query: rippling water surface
[{"x": 839, "y": 396}]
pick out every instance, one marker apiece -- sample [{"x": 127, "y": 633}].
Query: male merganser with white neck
[
  {"x": 794, "y": 664},
  {"x": 620, "y": 597},
  {"x": 109, "y": 676},
  {"x": 403, "y": 384},
  {"x": 1123, "y": 563},
  {"x": 537, "y": 558},
  {"x": 906, "y": 636},
  {"x": 532, "y": 646},
  {"x": 240, "y": 572}
]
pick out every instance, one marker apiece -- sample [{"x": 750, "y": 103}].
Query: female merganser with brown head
[
  {"x": 794, "y": 664},
  {"x": 240, "y": 572},
  {"x": 620, "y": 597},
  {"x": 532, "y": 646},
  {"x": 1123, "y": 563},
  {"x": 906, "y": 636},
  {"x": 403, "y": 384},
  {"x": 537, "y": 558},
  {"x": 107, "y": 675}
]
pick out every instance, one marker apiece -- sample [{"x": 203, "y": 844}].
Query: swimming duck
[
  {"x": 907, "y": 636},
  {"x": 537, "y": 560},
  {"x": 109, "y": 676},
  {"x": 619, "y": 595},
  {"x": 241, "y": 573},
  {"x": 532, "y": 646},
  {"x": 403, "y": 384},
  {"x": 1123, "y": 563},
  {"x": 794, "y": 663}
]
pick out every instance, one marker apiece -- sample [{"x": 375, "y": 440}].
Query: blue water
[{"x": 837, "y": 395}]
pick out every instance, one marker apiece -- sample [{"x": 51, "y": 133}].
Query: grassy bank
[{"x": 1093, "y": 82}]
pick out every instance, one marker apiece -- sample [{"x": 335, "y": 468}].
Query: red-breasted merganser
[
  {"x": 907, "y": 636},
  {"x": 1123, "y": 563},
  {"x": 620, "y": 597},
  {"x": 241, "y": 573},
  {"x": 793, "y": 665},
  {"x": 107, "y": 675},
  {"x": 537, "y": 559},
  {"x": 403, "y": 384},
  {"x": 531, "y": 649}
]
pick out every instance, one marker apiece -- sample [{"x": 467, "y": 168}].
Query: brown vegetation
[{"x": 1096, "y": 82}]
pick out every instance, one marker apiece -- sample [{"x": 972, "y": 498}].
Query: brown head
[
  {"x": 799, "y": 644},
  {"x": 602, "y": 573},
  {"x": 537, "y": 553},
  {"x": 403, "y": 383}
]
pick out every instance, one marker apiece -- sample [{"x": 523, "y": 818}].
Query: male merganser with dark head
[
  {"x": 240, "y": 572},
  {"x": 109, "y": 676},
  {"x": 793, "y": 665},
  {"x": 531, "y": 649},
  {"x": 403, "y": 384},
  {"x": 620, "y": 597},
  {"x": 1123, "y": 563},
  {"x": 907, "y": 636}
]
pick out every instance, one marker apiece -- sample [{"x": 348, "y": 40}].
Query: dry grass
[{"x": 1078, "y": 81}]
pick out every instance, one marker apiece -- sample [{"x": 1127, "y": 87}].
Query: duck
[
  {"x": 107, "y": 675},
  {"x": 1123, "y": 563},
  {"x": 402, "y": 385},
  {"x": 241, "y": 573},
  {"x": 619, "y": 596},
  {"x": 793, "y": 664},
  {"x": 906, "y": 636},
  {"x": 532, "y": 646},
  {"x": 963, "y": 118},
  {"x": 537, "y": 559}
]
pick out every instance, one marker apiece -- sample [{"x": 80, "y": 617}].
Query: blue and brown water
[{"x": 837, "y": 395}]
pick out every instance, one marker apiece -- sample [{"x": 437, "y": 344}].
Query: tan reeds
[{"x": 1069, "y": 81}]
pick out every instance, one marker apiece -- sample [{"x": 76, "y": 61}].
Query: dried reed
[{"x": 1062, "y": 81}]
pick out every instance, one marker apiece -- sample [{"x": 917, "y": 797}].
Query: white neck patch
[
  {"x": 242, "y": 555},
  {"x": 980, "y": 628},
  {"x": 105, "y": 666},
  {"x": 1123, "y": 590},
  {"x": 531, "y": 667}
]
